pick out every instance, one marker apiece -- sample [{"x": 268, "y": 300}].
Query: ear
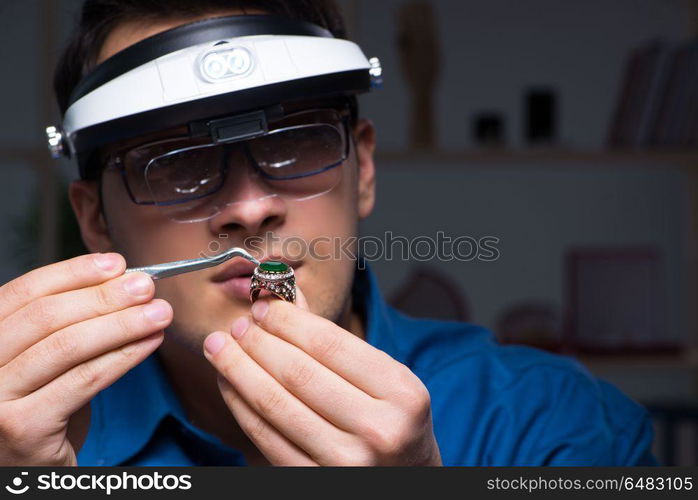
[
  {"x": 365, "y": 140},
  {"x": 84, "y": 198}
]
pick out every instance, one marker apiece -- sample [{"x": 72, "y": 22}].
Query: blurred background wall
[{"x": 473, "y": 71}]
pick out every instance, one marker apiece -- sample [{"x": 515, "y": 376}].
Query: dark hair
[{"x": 100, "y": 17}]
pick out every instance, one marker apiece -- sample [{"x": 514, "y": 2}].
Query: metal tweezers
[{"x": 168, "y": 269}]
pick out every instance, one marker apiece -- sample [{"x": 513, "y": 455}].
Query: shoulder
[{"x": 515, "y": 405}]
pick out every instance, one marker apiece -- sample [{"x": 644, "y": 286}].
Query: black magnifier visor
[{"x": 232, "y": 128}]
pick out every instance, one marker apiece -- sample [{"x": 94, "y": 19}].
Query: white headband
[{"x": 194, "y": 72}]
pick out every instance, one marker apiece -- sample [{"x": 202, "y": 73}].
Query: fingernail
[
  {"x": 107, "y": 261},
  {"x": 138, "y": 285},
  {"x": 214, "y": 343},
  {"x": 239, "y": 327},
  {"x": 157, "y": 311},
  {"x": 259, "y": 309}
]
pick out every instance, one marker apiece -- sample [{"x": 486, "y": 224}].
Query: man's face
[{"x": 201, "y": 302}]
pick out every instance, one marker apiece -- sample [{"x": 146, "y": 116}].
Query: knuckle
[
  {"x": 271, "y": 402},
  {"x": 399, "y": 424},
  {"x": 103, "y": 299},
  {"x": 420, "y": 403},
  {"x": 86, "y": 376},
  {"x": 298, "y": 375},
  {"x": 43, "y": 313},
  {"x": 128, "y": 351},
  {"x": 407, "y": 386},
  {"x": 127, "y": 321},
  {"x": 390, "y": 438},
  {"x": 258, "y": 429},
  {"x": 62, "y": 345},
  {"x": 19, "y": 288},
  {"x": 327, "y": 345}
]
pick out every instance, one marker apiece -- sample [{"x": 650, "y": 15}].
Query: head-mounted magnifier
[{"x": 223, "y": 79}]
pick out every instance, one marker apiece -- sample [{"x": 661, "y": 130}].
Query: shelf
[{"x": 542, "y": 157}]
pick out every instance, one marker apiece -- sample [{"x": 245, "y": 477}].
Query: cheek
[
  {"x": 330, "y": 226},
  {"x": 327, "y": 224},
  {"x": 142, "y": 234},
  {"x": 332, "y": 214}
]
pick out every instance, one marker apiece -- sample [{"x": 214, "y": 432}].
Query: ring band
[{"x": 275, "y": 277}]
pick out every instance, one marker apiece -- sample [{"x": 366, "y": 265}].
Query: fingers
[
  {"x": 273, "y": 445},
  {"x": 301, "y": 301},
  {"x": 46, "y": 315},
  {"x": 339, "y": 350},
  {"x": 68, "y": 393},
  {"x": 291, "y": 417},
  {"x": 79, "y": 343},
  {"x": 322, "y": 390},
  {"x": 79, "y": 272}
]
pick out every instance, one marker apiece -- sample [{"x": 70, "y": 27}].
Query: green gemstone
[{"x": 273, "y": 266}]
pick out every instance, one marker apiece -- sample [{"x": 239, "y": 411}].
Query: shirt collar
[{"x": 127, "y": 414}]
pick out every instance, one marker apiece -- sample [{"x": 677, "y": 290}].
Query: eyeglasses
[{"x": 184, "y": 176}]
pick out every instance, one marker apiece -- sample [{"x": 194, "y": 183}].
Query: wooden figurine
[{"x": 419, "y": 54}]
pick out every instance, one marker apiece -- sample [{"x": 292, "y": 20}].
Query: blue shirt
[{"x": 491, "y": 404}]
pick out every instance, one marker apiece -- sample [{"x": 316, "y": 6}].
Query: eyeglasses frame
[{"x": 114, "y": 161}]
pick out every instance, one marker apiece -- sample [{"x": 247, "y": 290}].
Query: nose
[{"x": 247, "y": 207}]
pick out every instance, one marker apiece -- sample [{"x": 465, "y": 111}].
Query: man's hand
[
  {"x": 67, "y": 331},
  {"x": 308, "y": 392}
]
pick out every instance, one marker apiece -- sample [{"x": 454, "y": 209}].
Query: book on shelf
[{"x": 657, "y": 105}]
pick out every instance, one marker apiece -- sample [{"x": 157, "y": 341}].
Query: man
[{"x": 97, "y": 371}]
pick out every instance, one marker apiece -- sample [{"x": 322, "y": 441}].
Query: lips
[
  {"x": 236, "y": 268},
  {"x": 234, "y": 277}
]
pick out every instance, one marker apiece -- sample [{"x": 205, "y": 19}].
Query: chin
[{"x": 190, "y": 336}]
